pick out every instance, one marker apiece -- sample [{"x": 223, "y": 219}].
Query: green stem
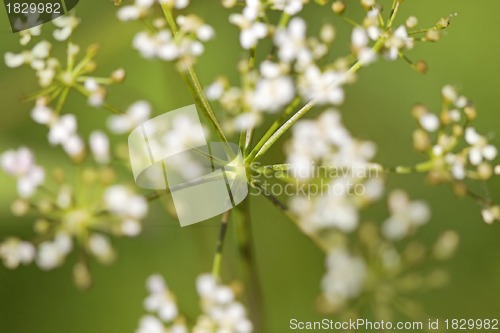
[
  {"x": 246, "y": 136},
  {"x": 250, "y": 267},
  {"x": 217, "y": 263},
  {"x": 394, "y": 12},
  {"x": 274, "y": 127},
  {"x": 62, "y": 100},
  {"x": 349, "y": 20},
  {"x": 421, "y": 31},
  {"x": 204, "y": 103}
]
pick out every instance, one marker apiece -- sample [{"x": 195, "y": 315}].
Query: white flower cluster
[
  {"x": 51, "y": 254},
  {"x": 221, "y": 312},
  {"x": 127, "y": 206},
  {"x": 64, "y": 221},
  {"x": 135, "y": 115},
  {"x": 74, "y": 214},
  {"x": 405, "y": 217},
  {"x": 32, "y": 27},
  {"x": 21, "y": 164},
  {"x": 190, "y": 33},
  {"x": 39, "y": 59},
  {"x": 14, "y": 252},
  {"x": 457, "y": 151},
  {"x": 373, "y": 265},
  {"x": 445, "y": 136},
  {"x": 324, "y": 149},
  {"x": 290, "y": 7},
  {"x": 252, "y": 30},
  {"x": 362, "y": 36},
  {"x": 271, "y": 88},
  {"x": 371, "y": 30},
  {"x": 162, "y": 304},
  {"x": 56, "y": 80},
  {"x": 345, "y": 277},
  {"x": 62, "y": 129}
]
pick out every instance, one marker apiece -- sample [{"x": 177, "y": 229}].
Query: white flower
[
  {"x": 123, "y": 202},
  {"x": 29, "y": 28},
  {"x": 150, "y": 324},
  {"x": 344, "y": 278},
  {"x": 97, "y": 93},
  {"x": 326, "y": 211},
  {"x": 99, "y": 145},
  {"x": 14, "y": 252},
  {"x": 291, "y": 7},
  {"x": 100, "y": 247},
  {"x": 220, "y": 310},
  {"x": 14, "y": 60},
  {"x": 215, "y": 90},
  {"x": 163, "y": 46},
  {"x": 247, "y": 120},
  {"x": 397, "y": 42},
  {"x": 51, "y": 254},
  {"x": 136, "y": 114},
  {"x": 139, "y": 9},
  {"x": 480, "y": 149},
  {"x": 160, "y": 300},
  {"x": 21, "y": 164},
  {"x": 449, "y": 93},
  {"x": 406, "y": 215},
  {"x": 292, "y": 44},
  {"x": 491, "y": 214},
  {"x": 251, "y": 31},
  {"x": 63, "y": 132},
  {"x": 34, "y": 57},
  {"x": 359, "y": 37},
  {"x": 42, "y": 114},
  {"x": 273, "y": 91},
  {"x": 359, "y": 40},
  {"x": 178, "y": 4},
  {"x": 322, "y": 87},
  {"x": 429, "y": 122},
  {"x": 66, "y": 24}
]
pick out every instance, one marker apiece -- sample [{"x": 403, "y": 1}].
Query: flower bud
[
  {"x": 443, "y": 23},
  {"x": 118, "y": 76},
  {"x": 446, "y": 245},
  {"x": 484, "y": 171},
  {"x": 421, "y": 140},
  {"x": 470, "y": 112},
  {"x": 81, "y": 276},
  {"x": 491, "y": 214},
  {"x": 421, "y": 67},
  {"x": 20, "y": 207},
  {"x": 41, "y": 226},
  {"x": 419, "y": 110},
  {"x": 411, "y": 22},
  {"x": 368, "y": 4},
  {"x": 432, "y": 35},
  {"x": 339, "y": 7},
  {"x": 229, "y": 3}
]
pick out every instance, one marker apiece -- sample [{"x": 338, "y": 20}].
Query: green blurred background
[{"x": 377, "y": 108}]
